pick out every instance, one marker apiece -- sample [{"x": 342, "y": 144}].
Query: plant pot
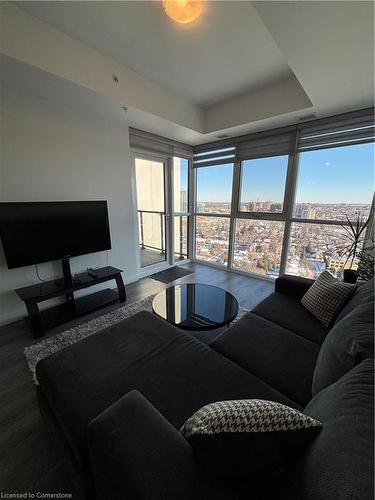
[{"x": 350, "y": 276}]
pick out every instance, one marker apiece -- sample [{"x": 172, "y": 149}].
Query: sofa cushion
[
  {"x": 294, "y": 286},
  {"x": 278, "y": 356},
  {"x": 363, "y": 293},
  {"x": 349, "y": 342},
  {"x": 290, "y": 314},
  {"x": 326, "y": 297},
  {"x": 338, "y": 464},
  {"x": 137, "y": 454},
  {"x": 248, "y": 438},
  {"x": 175, "y": 372}
]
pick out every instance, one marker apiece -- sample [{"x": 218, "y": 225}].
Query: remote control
[{"x": 92, "y": 273}]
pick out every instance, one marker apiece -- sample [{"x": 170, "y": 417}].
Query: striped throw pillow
[{"x": 326, "y": 297}]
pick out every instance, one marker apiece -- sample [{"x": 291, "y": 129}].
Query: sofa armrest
[
  {"x": 137, "y": 454},
  {"x": 293, "y": 286}
]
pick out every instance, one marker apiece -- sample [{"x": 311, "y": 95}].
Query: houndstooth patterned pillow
[
  {"x": 246, "y": 415},
  {"x": 248, "y": 438},
  {"x": 326, "y": 297}
]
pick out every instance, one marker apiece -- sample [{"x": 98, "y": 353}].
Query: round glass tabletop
[{"x": 194, "y": 306}]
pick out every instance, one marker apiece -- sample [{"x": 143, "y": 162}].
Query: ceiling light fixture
[{"x": 183, "y": 11}]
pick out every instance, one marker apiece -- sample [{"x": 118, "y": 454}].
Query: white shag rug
[{"x": 55, "y": 343}]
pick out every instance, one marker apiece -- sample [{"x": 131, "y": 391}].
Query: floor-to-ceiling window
[
  {"x": 213, "y": 208},
  {"x": 259, "y": 223},
  {"x": 180, "y": 207},
  {"x": 281, "y": 203},
  {"x": 333, "y": 185}
]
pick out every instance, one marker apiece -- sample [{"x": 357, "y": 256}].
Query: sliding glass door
[
  {"x": 150, "y": 175},
  {"x": 162, "y": 209}
]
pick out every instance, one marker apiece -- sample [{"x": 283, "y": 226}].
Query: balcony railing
[{"x": 160, "y": 248}]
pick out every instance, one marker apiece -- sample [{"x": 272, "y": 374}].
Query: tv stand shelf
[{"x": 73, "y": 307}]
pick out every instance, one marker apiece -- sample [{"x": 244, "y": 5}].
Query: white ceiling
[
  {"x": 233, "y": 62},
  {"x": 27, "y": 79},
  {"x": 330, "y": 47},
  {"x": 226, "y": 53}
]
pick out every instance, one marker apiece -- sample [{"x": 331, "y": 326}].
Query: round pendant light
[{"x": 183, "y": 11}]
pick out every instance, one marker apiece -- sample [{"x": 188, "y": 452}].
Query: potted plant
[
  {"x": 366, "y": 260},
  {"x": 355, "y": 234}
]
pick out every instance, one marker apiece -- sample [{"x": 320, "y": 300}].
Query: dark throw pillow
[
  {"x": 248, "y": 437},
  {"x": 364, "y": 293},
  {"x": 349, "y": 342},
  {"x": 326, "y": 297}
]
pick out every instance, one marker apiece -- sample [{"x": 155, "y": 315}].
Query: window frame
[
  {"x": 286, "y": 216},
  {"x": 292, "y": 219},
  {"x": 167, "y": 159},
  {"x": 252, "y": 273},
  {"x": 267, "y": 216},
  {"x": 235, "y": 213},
  {"x": 240, "y": 187},
  {"x": 187, "y": 214},
  {"x": 194, "y": 180},
  {"x": 222, "y": 216},
  {"x": 214, "y": 214}
]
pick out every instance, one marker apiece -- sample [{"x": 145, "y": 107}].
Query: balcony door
[{"x": 151, "y": 175}]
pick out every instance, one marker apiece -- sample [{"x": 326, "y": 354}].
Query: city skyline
[{"x": 258, "y": 246}]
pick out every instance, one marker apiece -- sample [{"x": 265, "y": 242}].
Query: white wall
[
  {"x": 277, "y": 99},
  {"x": 26, "y": 39},
  {"x": 52, "y": 152}
]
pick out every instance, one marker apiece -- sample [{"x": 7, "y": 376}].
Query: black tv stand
[{"x": 72, "y": 307}]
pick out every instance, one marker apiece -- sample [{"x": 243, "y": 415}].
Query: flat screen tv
[{"x": 35, "y": 232}]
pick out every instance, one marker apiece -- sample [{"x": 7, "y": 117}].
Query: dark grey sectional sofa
[{"x": 114, "y": 402}]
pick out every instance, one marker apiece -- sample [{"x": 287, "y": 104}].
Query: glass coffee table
[{"x": 194, "y": 306}]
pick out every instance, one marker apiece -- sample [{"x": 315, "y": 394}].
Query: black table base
[{"x": 72, "y": 307}]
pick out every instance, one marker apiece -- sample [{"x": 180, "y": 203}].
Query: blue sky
[{"x": 336, "y": 175}]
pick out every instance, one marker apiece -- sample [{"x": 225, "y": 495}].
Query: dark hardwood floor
[{"x": 28, "y": 462}]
